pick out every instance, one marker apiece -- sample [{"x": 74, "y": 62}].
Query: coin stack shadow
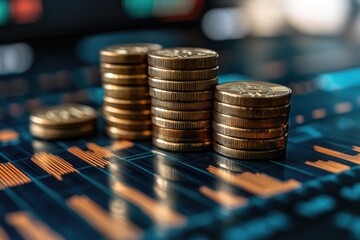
[
  {"x": 182, "y": 82},
  {"x": 251, "y": 120},
  {"x": 126, "y": 105}
]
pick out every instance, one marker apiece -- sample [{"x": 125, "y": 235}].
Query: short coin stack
[
  {"x": 182, "y": 84},
  {"x": 63, "y": 121},
  {"x": 127, "y": 102},
  {"x": 251, "y": 120}
]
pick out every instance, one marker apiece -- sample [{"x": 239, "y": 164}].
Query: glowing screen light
[
  {"x": 318, "y": 17},
  {"x": 158, "y": 8},
  {"x": 4, "y": 12},
  {"x": 25, "y": 11}
]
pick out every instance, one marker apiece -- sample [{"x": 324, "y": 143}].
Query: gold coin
[
  {"x": 181, "y": 96},
  {"x": 250, "y": 123},
  {"x": 183, "y": 86},
  {"x": 126, "y": 92},
  {"x": 265, "y": 133},
  {"x": 180, "y": 125},
  {"x": 132, "y": 53},
  {"x": 118, "y": 133},
  {"x": 133, "y": 105},
  {"x": 181, "y": 115},
  {"x": 183, "y": 58},
  {"x": 186, "y": 75},
  {"x": 253, "y": 94},
  {"x": 117, "y": 79},
  {"x": 181, "y": 147},
  {"x": 179, "y": 140},
  {"x": 204, "y": 133},
  {"x": 182, "y": 106},
  {"x": 47, "y": 133},
  {"x": 124, "y": 69},
  {"x": 127, "y": 124},
  {"x": 250, "y": 144},
  {"x": 251, "y": 112},
  {"x": 63, "y": 116},
  {"x": 250, "y": 155},
  {"x": 126, "y": 114}
]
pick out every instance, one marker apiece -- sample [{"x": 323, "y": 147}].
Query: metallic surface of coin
[
  {"x": 126, "y": 114},
  {"x": 181, "y": 147},
  {"x": 186, "y": 75},
  {"x": 251, "y": 112},
  {"x": 181, "y": 115},
  {"x": 183, "y": 58},
  {"x": 253, "y": 94},
  {"x": 133, "y": 53},
  {"x": 265, "y": 133},
  {"x": 64, "y": 115},
  {"x": 180, "y": 140},
  {"x": 195, "y": 133},
  {"x": 181, "y": 96},
  {"x": 47, "y": 133},
  {"x": 126, "y": 104},
  {"x": 250, "y": 123},
  {"x": 182, "y": 106},
  {"x": 183, "y": 86},
  {"x": 117, "y": 133},
  {"x": 126, "y": 92},
  {"x": 117, "y": 79},
  {"x": 250, "y": 155},
  {"x": 250, "y": 144},
  {"x": 124, "y": 69},
  {"x": 180, "y": 125},
  {"x": 127, "y": 124}
]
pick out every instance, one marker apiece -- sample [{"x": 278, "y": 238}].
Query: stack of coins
[
  {"x": 182, "y": 84},
  {"x": 251, "y": 120},
  {"x": 63, "y": 121},
  {"x": 126, "y": 102}
]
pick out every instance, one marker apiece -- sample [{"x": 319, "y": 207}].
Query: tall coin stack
[
  {"x": 126, "y": 104},
  {"x": 251, "y": 120},
  {"x": 182, "y": 84}
]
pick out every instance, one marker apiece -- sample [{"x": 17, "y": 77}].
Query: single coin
[
  {"x": 126, "y": 92},
  {"x": 180, "y": 140},
  {"x": 181, "y": 147},
  {"x": 204, "y": 133},
  {"x": 186, "y": 75},
  {"x": 117, "y": 133},
  {"x": 182, "y": 106},
  {"x": 250, "y": 144},
  {"x": 47, "y": 133},
  {"x": 253, "y": 94},
  {"x": 133, "y": 105},
  {"x": 127, "y": 124},
  {"x": 249, "y": 155},
  {"x": 181, "y": 96},
  {"x": 64, "y": 115},
  {"x": 117, "y": 79},
  {"x": 124, "y": 69},
  {"x": 180, "y": 125},
  {"x": 183, "y": 86},
  {"x": 181, "y": 115},
  {"x": 251, "y": 112},
  {"x": 126, "y": 114},
  {"x": 250, "y": 123},
  {"x": 183, "y": 58},
  {"x": 265, "y": 133},
  {"x": 132, "y": 53}
]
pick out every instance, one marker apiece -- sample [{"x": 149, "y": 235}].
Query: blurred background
[{"x": 52, "y": 46}]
